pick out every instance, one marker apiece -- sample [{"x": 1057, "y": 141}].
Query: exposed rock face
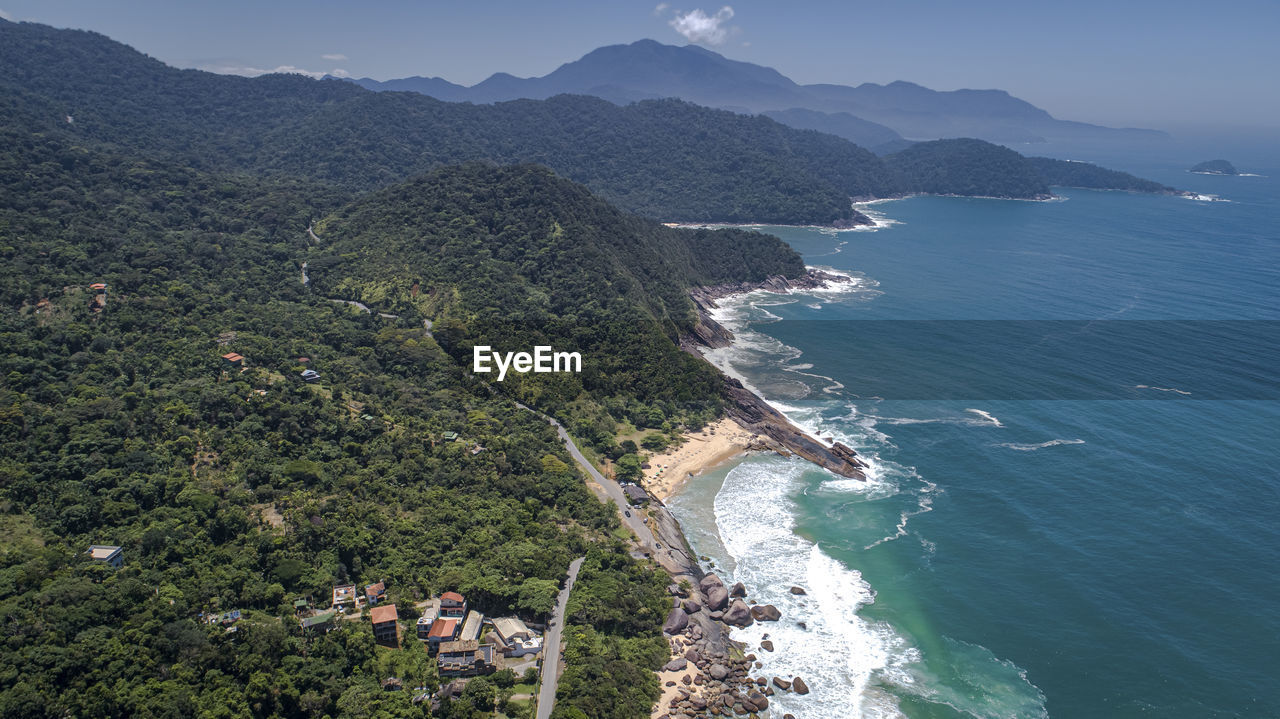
[
  {"x": 738, "y": 614},
  {"x": 798, "y": 591},
  {"x": 765, "y": 613},
  {"x": 798, "y": 686},
  {"x": 714, "y": 592},
  {"x": 691, "y": 606},
  {"x": 738, "y": 590},
  {"x": 676, "y": 622}
]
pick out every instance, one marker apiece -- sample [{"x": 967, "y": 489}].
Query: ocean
[{"x": 1088, "y": 529}]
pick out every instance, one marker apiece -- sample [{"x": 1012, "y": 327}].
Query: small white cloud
[
  {"x": 335, "y": 56},
  {"x": 661, "y": 8},
  {"x": 697, "y": 26},
  {"x": 6, "y": 16},
  {"x": 339, "y": 72}
]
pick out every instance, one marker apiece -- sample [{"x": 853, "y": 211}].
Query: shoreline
[
  {"x": 708, "y": 672},
  {"x": 698, "y": 452}
]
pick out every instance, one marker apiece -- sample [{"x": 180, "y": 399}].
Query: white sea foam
[
  {"x": 986, "y": 415},
  {"x": 839, "y": 653},
  {"x": 1205, "y": 198},
  {"x": 1042, "y": 445},
  {"x": 1161, "y": 389}
]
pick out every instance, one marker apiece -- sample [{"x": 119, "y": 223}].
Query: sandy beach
[{"x": 700, "y": 451}]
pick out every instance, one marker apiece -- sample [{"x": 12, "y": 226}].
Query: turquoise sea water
[{"x": 1099, "y": 546}]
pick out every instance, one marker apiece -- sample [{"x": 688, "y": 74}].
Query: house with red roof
[{"x": 386, "y": 626}]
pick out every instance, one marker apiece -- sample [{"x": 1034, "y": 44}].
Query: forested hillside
[
  {"x": 664, "y": 159},
  {"x": 120, "y": 423}
]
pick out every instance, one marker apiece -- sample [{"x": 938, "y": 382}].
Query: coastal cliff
[{"x": 775, "y": 430}]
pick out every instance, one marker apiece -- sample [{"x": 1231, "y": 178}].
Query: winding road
[
  {"x": 611, "y": 489},
  {"x": 551, "y": 646}
]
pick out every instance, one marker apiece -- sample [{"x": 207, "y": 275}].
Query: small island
[{"x": 1215, "y": 167}]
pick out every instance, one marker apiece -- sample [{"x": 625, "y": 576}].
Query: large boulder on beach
[
  {"x": 739, "y": 590},
  {"x": 676, "y": 622},
  {"x": 676, "y": 665},
  {"x": 798, "y": 686},
  {"x": 765, "y": 613},
  {"x": 714, "y": 592},
  {"x": 716, "y": 597},
  {"x": 738, "y": 614},
  {"x": 718, "y": 672}
]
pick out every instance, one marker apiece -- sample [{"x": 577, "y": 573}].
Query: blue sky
[{"x": 1121, "y": 62}]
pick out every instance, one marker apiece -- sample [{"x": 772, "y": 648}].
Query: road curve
[
  {"x": 551, "y": 646},
  {"x": 635, "y": 522}
]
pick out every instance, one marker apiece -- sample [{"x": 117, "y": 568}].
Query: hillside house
[
  {"x": 515, "y": 638},
  {"x": 234, "y": 359},
  {"x": 386, "y": 627},
  {"x": 442, "y": 632},
  {"x": 375, "y": 593},
  {"x": 425, "y": 621},
  {"x": 110, "y": 555},
  {"x": 310, "y": 375},
  {"x": 344, "y": 596},
  {"x": 465, "y": 659},
  {"x": 452, "y": 605}
]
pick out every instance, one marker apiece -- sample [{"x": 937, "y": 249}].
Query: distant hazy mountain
[{"x": 866, "y": 114}]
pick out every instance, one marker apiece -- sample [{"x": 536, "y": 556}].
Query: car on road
[{"x": 627, "y": 512}]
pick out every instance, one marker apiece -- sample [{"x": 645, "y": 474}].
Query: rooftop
[
  {"x": 383, "y": 613},
  {"x": 103, "y": 552},
  {"x": 451, "y": 597},
  {"x": 443, "y": 628},
  {"x": 459, "y": 647}
]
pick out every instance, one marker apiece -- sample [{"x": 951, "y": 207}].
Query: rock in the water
[
  {"x": 765, "y": 613},
  {"x": 739, "y": 590},
  {"x": 799, "y": 591},
  {"x": 757, "y": 700},
  {"x": 691, "y": 606},
  {"x": 738, "y": 614},
  {"x": 798, "y": 686},
  {"x": 676, "y": 665},
  {"x": 783, "y": 684},
  {"x": 676, "y": 622},
  {"x": 766, "y": 645}
]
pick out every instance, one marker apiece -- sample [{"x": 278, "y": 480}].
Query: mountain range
[{"x": 869, "y": 114}]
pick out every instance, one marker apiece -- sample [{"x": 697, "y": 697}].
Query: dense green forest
[
  {"x": 1065, "y": 173},
  {"x": 666, "y": 159},
  {"x": 121, "y": 424}
]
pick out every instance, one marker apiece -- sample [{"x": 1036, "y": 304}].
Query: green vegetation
[
  {"x": 667, "y": 159},
  {"x": 245, "y": 490},
  {"x": 1082, "y": 174},
  {"x": 967, "y": 167}
]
